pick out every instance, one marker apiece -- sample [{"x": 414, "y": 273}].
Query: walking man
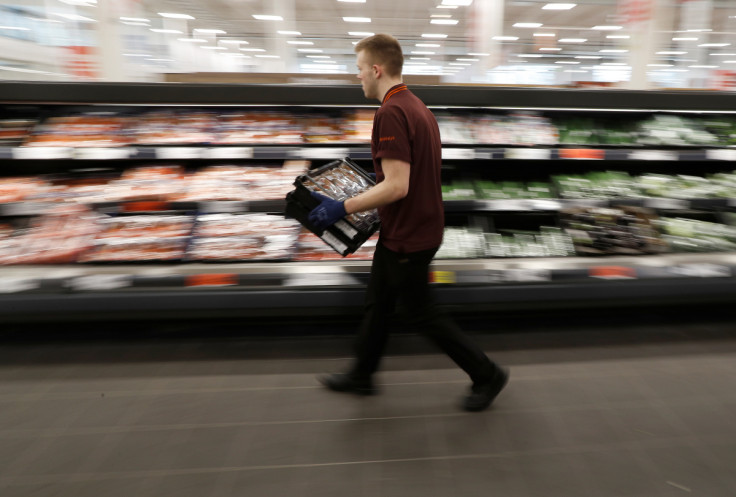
[{"x": 407, "y": 152}]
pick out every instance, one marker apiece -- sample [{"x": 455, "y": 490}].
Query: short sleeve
[{"x": 392, "y": 135}]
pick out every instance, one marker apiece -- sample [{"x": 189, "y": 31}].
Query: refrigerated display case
[{"x": 553, "y": 197}]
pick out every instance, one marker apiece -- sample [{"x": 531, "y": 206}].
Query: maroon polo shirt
[{"x": 405, "y": 129}]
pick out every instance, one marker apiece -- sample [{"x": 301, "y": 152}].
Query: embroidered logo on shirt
[{"x": 387, "y": 138}]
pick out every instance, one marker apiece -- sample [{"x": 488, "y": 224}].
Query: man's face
[{"x": 367, "y": 75}]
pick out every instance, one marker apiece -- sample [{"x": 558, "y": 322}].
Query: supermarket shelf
[
  {"x": 338, "y": 151},
  {"x": 451, "y": 206},
  {"x": 439, "y": 96},
  {"x": 324, "y": 288}
]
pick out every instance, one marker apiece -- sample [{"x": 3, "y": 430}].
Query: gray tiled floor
[{"x": 628, "y": 413}]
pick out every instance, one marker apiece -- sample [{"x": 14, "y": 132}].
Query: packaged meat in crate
[{"x": 340, "y": 180}]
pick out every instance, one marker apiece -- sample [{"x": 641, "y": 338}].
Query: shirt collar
[{"x": 393, "y": 91}]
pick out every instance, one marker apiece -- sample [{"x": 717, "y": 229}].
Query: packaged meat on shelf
[
  {"x": 83, "y": 130},
  {"x": 312, "y": 248},
  {"x": 58, "y": 237},
  {"x": 243, "y": 237},
  {"x": 141, "y": 238},
  {"x": 15, "y": 131},
  {"x": 173, "y": 127},
  {"x": 268, "y": 127}
]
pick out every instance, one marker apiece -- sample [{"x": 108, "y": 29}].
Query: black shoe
[
  {"x": 482, "y": 394},
  {"x": 341, "y": 382}
]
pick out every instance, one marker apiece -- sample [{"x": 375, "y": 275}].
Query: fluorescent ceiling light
[
  {"x": 193, "y": 40},
  {"x": 310, "y": 50},
  {"x": 75, "y": 17},
  {"x": 433, "y": 35},
  {"x": 614, "y": 64},
  {"x": 291, "y": 42},
  {"x": 505, "y": 38},
  {"x": 450, "y": 22},
  {"x": 318, "y": 56},
  {"x": 593, "y": 57},
  {"x": 15, "y": 28},
  {"x": 729, "y": 61},
  {"x": 703, "y": 67},
  {"x": 479, "y": 54},
  {"x": 528, "y": 25},
  {"x": 128, "y": 23},
  {"x": 460, "y": 3},
  {"x": 552, "y": 35},
  {"x": 714, "y": 44},
  {"x": 723, "y": 54},
  {"x": 161, "y": 60},
  {"x": 445, "y": 16},
  {"x": 268, "y": 56},
  {"x": 175, "y": 16},
  {"x": 671, "y": 53},
  {"x": 293, "y": 33},
  {"x": 550, "y": 49},
  {"x": 211, "y": 31},
  {"x": 252, "y": 49},
  {"x": 20, "y": 69},
  {"x": 572, "y": 40},
  {"x": 420, "y": 52},
  {"x": 575, "y": 71},
  {"x": 618, "y": 37},
  {"x": 264, "y": 17},
  {"x": 467, "y": 60},
  {"x": 458, "y": 64},
  {"x": 697, "y": 31},
  {"x": 134, "y": 19},
  {"x": 428, "y": 45},
  {"x": 567, "y": 62},
  {"x": 356, "y": 19},
  {"x": 234, "y": 42},
  {"x": 607, "y": 28},
  {"x": 613, "y": 51},
  {"x": 420, "y": 58},
  {"x": 659, "y": 65},
  {"x": 168, "y": 31},
  {"x": 685, "y": 39},
  {"x": 559, "y": 6},
  {"x": 360, "y": 33},
  {"x": 531, "y": 55},
  {"x": 214, "y": 48}
]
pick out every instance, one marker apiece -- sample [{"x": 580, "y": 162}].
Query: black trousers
[{"x": 404, "y": 278}]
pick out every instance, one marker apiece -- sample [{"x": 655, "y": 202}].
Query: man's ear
[{"x": 378, "y": 70}]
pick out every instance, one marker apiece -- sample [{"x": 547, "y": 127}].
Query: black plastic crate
[{"x": 339, "y": 180}]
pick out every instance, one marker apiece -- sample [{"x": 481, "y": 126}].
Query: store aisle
[{"x": 609, "y": 412}]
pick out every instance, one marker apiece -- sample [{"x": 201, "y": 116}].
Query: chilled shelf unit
[{"x": 168, "y": 199}]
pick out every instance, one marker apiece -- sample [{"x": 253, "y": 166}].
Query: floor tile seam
[
  {"x": 661, "y": 355},
  {"x": 607, "y": 407},
  {"x": 20, "y": 397},
  {"x": 625, "y": 446}
]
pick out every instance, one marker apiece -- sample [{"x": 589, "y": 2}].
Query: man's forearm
[{"x": 383, "y": 193}]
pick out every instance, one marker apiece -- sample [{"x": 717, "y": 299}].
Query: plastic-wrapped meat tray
[{"x": 340, "y": 180}]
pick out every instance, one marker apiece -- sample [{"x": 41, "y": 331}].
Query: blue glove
[{"x": 327, "y": 213}]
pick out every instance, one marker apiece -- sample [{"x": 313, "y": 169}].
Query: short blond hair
[{"x": 383, "y": 50}]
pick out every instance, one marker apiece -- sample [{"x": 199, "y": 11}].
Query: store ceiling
[{"x": 321, "y": 22}]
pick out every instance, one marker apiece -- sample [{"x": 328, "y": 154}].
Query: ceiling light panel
[
  {"x": 264, "y": 17},
  {"x": 449, "y": 22},
  {"x": 175, "y": 16},
  {"x": 357, "y": 19},
  {"x": 559, "y": 6}
]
